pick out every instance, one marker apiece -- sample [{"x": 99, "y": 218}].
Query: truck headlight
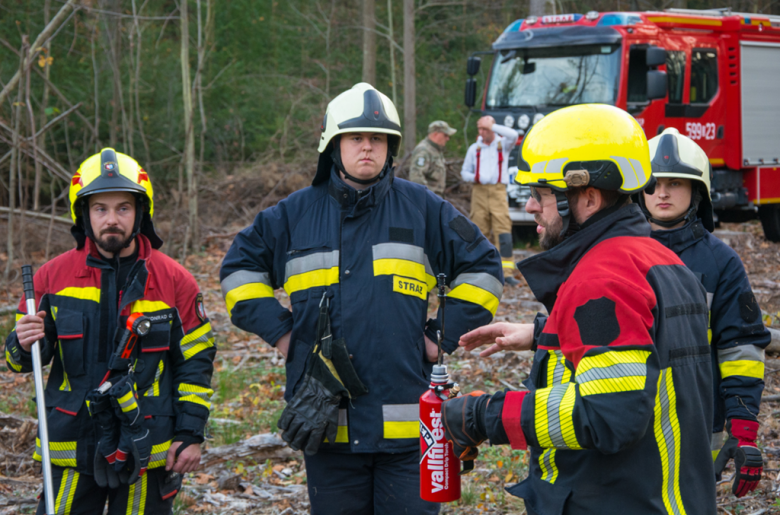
[{"x": 523, "y": 121}]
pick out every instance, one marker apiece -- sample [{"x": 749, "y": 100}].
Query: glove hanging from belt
[
  {"x": 135, "y": 446},
  {"x": 748, "y": 462},
  {"x": 102, "y": 414},
  {"x": 313, "y": 412}
]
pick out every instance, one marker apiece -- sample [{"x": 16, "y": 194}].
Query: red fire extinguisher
[{"x": 439, "y": 467}]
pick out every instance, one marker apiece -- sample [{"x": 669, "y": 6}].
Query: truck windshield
[{"x": 555, "y": 76}]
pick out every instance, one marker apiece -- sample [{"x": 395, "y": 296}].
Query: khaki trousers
[{"x": 490, "y": 210}]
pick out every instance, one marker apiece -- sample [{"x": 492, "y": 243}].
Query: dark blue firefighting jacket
[
  {"x": 375, "y": 254},
  {"x": 737, "y": 333}
]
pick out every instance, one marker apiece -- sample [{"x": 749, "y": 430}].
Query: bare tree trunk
[
  {"x": 15, "y": 156},
  {"x": 392, "y": 50},
  {"x": 189, "y": 142},
  {"x": 139, "y": 121},
  {"x": 369, "y": 42},
  {"x": 96, "y": 96},
  {"x": 204, "y": 37},
  {"x": 32, "y": 138},
  {"x": 410, "y": 87},
  {"x": 51, "y": 220},
  {"x": 536, "y": 7},
  {"x": 44, "y": 104}
]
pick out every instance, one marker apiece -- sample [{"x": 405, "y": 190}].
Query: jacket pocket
[
  {"x": 153, "y": 348},
  {"x": 159, "y": 337},
  {"x": 70, "y": 332}
]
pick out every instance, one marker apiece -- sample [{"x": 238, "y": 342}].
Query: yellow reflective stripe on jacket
[
  {"x": 154, "y": 390},
  {"x": 198, "y": 339},
  {"x": 667, "y": 435},
  {"x": 547, "y": 465},
  {"x": 87, "y": 293},
  {"x": 245, "y": 285},
  {"x": 742, "y": 360},
  {"x": 65, "y": 386},
  {"x": 195, "y": 394},
  {"x": 148, "y": 306},
  {"x": 136, "y": 496},
  {"x": 401, "y": 420},
  {"x": 159, "y": 454},
  {"x": 508, "y": 264},
  {"x": 11, "y": 362},
  {"x": 557, "y": 371},
  {"x": 405, "y": 260},
  {"x": 127, "y": 402},
  {"x": 63, "y": 454},
  {"x": 554, "y": 416},
  {"x": 478, "y": 288},
  {"x": 612, "y": 371},
  {"x": 67, "y": 490},
  {"x": 342, "y": 434},
  {"x": 314, "y": 270}
]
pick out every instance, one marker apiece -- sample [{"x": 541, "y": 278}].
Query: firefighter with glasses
[
  {"x": 357, "y": 253},
  {"x": 680, "y": 213},
  {"x": 618, "y": 410},
  {"x": 131, "y": 349}
]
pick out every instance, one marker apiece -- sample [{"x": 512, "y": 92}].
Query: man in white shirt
[{"x": 486, "y": 165}]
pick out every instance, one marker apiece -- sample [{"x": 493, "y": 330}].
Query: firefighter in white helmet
[
  {"x": 680, "y": 213},
  {"x": 357, "y": 252}
]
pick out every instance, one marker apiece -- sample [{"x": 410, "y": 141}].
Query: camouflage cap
[{"x": 441, "y": 126}]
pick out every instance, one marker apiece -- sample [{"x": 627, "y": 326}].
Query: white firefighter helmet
[
  {"x": 676, "y": 156},
  {"x": 361, "y": 108}
]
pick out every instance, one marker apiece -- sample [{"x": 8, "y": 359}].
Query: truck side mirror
[
  {"x": 656, "y": 56},
  {"x": 472, "y": 65},
  {"x": 656, "y": 84},
  {"x": 471, "y": 92}
]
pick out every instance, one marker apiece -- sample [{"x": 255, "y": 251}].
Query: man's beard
[
  {"x": 112, "y": 242},
  {"x": 552, "y": 234}
]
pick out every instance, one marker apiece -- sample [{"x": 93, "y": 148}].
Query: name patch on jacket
[{"x": 410, "y": 287}]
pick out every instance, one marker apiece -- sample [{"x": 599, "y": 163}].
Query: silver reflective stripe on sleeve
[
  {"x": 243, "y": 277},
  {"x": 481, "y": 280},
  {"x": 741, "y": 353}
]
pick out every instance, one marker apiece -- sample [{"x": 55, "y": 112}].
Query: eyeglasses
[{"x": 535, "y": 194}]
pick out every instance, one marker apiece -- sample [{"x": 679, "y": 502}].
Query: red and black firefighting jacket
[
  {"x": 619, "y": 413},
  {"x": 737, "y": 333},
  {"x": 84, "y": 313}
]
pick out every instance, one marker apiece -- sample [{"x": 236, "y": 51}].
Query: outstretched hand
[{"x": 501, "y": 336}]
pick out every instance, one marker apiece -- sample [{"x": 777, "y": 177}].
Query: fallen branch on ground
[{"x": 258, "y": 447}]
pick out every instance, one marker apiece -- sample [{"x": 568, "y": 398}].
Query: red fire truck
[{"x": 712, "y": 74}]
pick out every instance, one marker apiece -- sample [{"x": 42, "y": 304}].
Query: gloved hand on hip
[
  {"x": 464, "y": 423},
  {"x": 102, "y": 414},
  {"x": 135, "y": 446},
  {"x": 741, "y": 445}
]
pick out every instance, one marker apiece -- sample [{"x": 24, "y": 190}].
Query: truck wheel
[{"x": 770, "y": 221}]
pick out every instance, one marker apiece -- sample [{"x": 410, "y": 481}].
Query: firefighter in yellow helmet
[
  {"x": 125, "y": 420},
  {"x": 621, "y": 385},
  {"x": 358, "y": 253}
]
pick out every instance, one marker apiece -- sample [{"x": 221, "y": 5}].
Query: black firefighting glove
[
  {"x": 135, "y": 446},
  {"x": 741, "y": 445},
  {"x": 102, "y": 414},
  {"x": 313, "y": 412},
  {"x": 464, "y": 423}
]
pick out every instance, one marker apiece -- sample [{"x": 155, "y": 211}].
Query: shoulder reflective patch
[
  {"x": 597, "y": 322},
  {"x": 88, "y": 293},
  {"x": 410, "y": 287},
  {"x": 421, "y": 161},
  {"x": 748, "y": 307},
  {"x": 200, "y": 311}
]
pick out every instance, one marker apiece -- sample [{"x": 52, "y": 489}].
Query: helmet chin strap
[
  {"x": 336, "y": 156},
  {"x": 564, "y": 210}
]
